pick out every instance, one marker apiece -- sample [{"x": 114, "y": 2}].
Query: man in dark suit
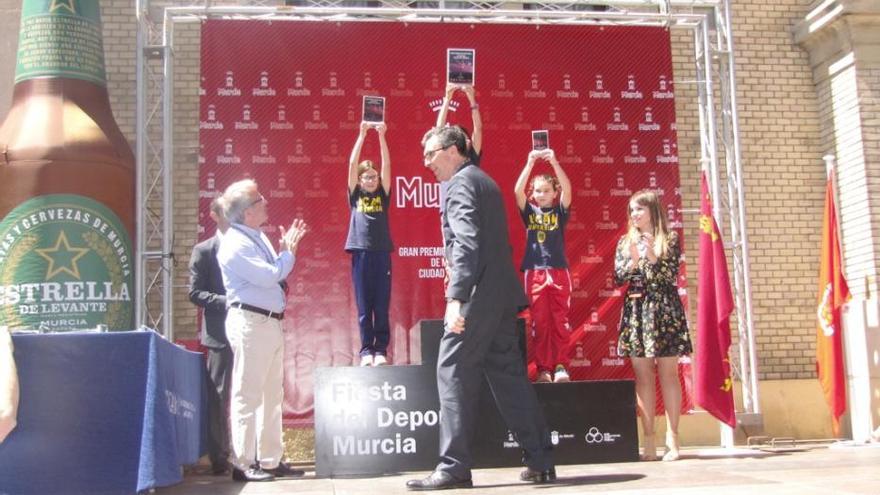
[
  {"x": 206, "y": 291},
  {"x": 480, "y": 340}
]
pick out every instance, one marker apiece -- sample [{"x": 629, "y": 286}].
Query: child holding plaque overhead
[
  {"x": 545, "y": 268},
  {"x": 653, "y": 326},
  {"x": 369, "y": 242}
]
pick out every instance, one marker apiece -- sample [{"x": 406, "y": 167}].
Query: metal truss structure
[{"x": 707, "y": 20}]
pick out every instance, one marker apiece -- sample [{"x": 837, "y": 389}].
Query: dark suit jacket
[
  {"x": 206, "y": 290},
  {"x": 477, "y": 246}
]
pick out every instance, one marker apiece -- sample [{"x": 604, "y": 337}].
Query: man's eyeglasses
[
  {"x": 430, "y": 154},
  {"x": 258, "y": 200}
]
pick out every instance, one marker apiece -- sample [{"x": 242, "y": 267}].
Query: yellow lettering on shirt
[{"x": 369, "y": 205}]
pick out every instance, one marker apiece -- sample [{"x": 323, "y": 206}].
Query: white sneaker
[
  {"x": 367, "y": 360},
  {"x": 379, "y": 360},
  {"x": 560, "y": 375}
]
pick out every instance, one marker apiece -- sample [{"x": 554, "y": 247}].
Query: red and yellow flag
[
  {"x": 712, "y": 378},
  {"x": 833, "y": 293}
]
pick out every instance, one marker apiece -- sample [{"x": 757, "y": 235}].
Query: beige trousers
[{"x": 256, "y": 392}]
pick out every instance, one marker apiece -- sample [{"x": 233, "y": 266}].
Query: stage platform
[{"x": 803, "y": 470}]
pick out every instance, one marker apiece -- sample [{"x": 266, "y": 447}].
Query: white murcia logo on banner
[
  {"x": 317, "y": 190},
  {"x": 246, "y": 124},
  {"x": 281, "y": 190},
  {"x": 670, "y": 152},
  {"x": 631, "y": 92},
  {"x": 578, "y": 292},
  {"x": 401, "y": 90},
  {"x": 210, "y": 190},
  {"x": 591, "y": 258},
  {"x": 501, "y": 91},
  {"x": 552, "y": 124},
  {"x": 228, "y": 157},
  {"x": 620, "y": 188},
  {"x": 229, "y": 88},
  {"x": 333, "y": 156},
  {"x": 316, "y": 124},
  {"x": 612, "y": 360},
  {"x": 616, "y": 124},
  {"x": 264, "y": 157},
  {"x": 652, "y": 183},
  {"x": 579, "y": 360},
  {"x": 534, "y": 91},
  {"x": 566, "y": 91},
  {"x": 281, "y": 123},
  {"x": 333, "y": 90},
  {"x": 594, "y": 324},
  {"x": 588, "y": 191},
  {"x": 649, "y": 124},
  {"x": 634, "y": 156},
  {"x": 584, "y": 124},
  {"x": 434, "y": 91},
  {"x": 609, "y": 290},
  {"x": 298, "y": 88},
  {"x": 211, "y": 122},
  {"x": 569, "y": 156},
  {"x": 603, "y": 156},
  {"x": 519, "y": 123},
  {"x": 299, "y": 157},
  {"x": 573, "y": 222},
  {"x": 201, "y": 154},
  {"x": 664, "y": 91},
  {"x": 350, "y": 123},
  {"x": 368, "y": 86},
  {"x": 413, "y": 192},
  {"x": 598, "y": 90},
  {"x": 606, "y": 223},
  {"x": 264, "y": 89}
]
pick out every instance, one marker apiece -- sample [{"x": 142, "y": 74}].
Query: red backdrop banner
[{"x": 281, "y": 103}]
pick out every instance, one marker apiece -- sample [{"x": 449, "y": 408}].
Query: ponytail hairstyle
[{"x": 649, "y": 199}]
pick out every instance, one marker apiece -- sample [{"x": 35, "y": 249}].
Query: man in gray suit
[
  {"x": 480, "y": 340},
  {"x": 207, "y": 291}
]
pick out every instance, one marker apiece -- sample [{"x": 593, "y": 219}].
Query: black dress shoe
[
  {"x": 535, "y": 476},
  {"x": 438, "y": 480},
  {"x": 283, "y": 470},
  {"x": 253, "y": 473}
]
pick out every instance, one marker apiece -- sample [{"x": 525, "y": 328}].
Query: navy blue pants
[{"x": 371, "y": 276}]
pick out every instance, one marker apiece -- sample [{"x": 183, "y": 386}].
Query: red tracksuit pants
[{"x": 549, "y": 291}]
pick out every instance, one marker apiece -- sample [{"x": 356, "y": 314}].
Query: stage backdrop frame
[{"x": 712, "y": 40}]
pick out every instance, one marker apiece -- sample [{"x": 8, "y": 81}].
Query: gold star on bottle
[
  {"x": 63, "y": 4},
  {"x": 62, "y": 255}
]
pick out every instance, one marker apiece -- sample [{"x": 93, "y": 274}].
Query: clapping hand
[{"x": 290, "y": 238}]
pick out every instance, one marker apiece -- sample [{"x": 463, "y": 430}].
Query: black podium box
[{"x": 385, "y": 419}]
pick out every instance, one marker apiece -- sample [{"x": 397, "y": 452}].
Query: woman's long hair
[{"x": 648, "y": 198}]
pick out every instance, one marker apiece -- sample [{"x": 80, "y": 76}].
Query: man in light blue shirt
[{"x": 254, "y": 276}]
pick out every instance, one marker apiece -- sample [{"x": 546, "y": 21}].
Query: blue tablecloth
[{"x": 103, "y": 413}]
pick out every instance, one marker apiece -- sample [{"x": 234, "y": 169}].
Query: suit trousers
[
  {"x": 257, "y": 343},
  {"x": 488, "y": 347},
  {"x": 219, "y": 368}
]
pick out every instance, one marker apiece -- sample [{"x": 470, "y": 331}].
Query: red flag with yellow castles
[
  {"x": 712, "y": 379},
  {"x": 833, "y": 294}
]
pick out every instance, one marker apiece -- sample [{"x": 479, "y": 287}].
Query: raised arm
[
  {"x": 564, "y": 182},
  {"x": 385, "y": 174},
  {"x": 444, "y": 109},
  {"x": 477, "y": 135},
  {"x": 356, "y": 157},
  {"x": 519, "y": 189}
]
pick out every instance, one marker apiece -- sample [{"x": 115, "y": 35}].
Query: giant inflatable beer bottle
[{"x": 66, "y": 180}]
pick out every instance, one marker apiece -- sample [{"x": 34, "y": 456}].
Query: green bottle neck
[{"x": 61, "y": 39}]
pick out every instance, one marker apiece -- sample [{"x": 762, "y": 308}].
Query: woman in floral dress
[{"x": 653, "y": 326}]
